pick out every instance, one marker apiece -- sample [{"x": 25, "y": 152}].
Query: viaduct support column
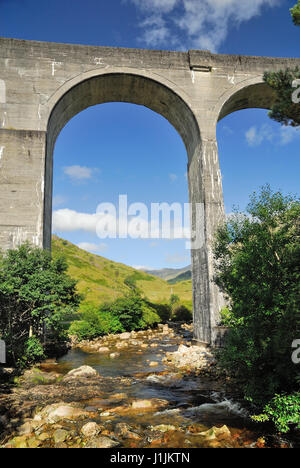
[
  {"x": 206, "y": 196},
  {"x": 22, "y": 171}
]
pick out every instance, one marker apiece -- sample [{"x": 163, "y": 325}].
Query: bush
[
  {"x": 124, "y": 314},
  {"x": 34, "y": 290},
  {"x": 150, "y": 317},
  {"x": 181, "y": 313},
  {"x": 257, "y": 262},
  {"x": 283, "y": 410},
  {"x": 33, "y": 352},
  {"x": 163, "y": 311},
  {"x": 95, "y": 321}
]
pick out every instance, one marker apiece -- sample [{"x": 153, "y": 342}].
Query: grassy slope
[{"x": 101, "y": 280}]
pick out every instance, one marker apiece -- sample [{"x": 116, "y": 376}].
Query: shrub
[
  {"x": 33, "y": 352},
  {"x": 163, "y": 311},
  {"x": 257, "y": 263},
  {"x": 181, "y": 313},
  {"x": 283, "y": 410},
  {"x": 150, "y": 317},
  {"x": 95, "y": 321},
  {"x": 125, "y": 314},
  {"x": 34, "y": 290},
  {"x": 128, "y": 310}
]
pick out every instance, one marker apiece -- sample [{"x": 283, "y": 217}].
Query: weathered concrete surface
[{"x": 43, "y": 85}]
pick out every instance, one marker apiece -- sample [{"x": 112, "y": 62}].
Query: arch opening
[
  {"x": 255, "y": 96},
  {"x": 254, "y": 151},
  {"x": 116, "y": 87}
]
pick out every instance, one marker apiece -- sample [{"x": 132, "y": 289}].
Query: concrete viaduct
[{"x": 43, "y": 85}]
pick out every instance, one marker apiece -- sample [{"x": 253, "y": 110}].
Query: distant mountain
[
  {"x": 185, "y": 276},
  {"x": 101, "y": 280},
  {"x": 169, "y": 273}
]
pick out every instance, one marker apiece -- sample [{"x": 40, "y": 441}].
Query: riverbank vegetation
[
  {"x": 257, "y": 260},
  {"x": 35, "y": 293}
]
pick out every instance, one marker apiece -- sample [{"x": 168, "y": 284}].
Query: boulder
[
  {"x": 125, "y": 336},
  {"x": 103, "y": 442},
  {"x": 103, "y": 349},
  {"x": 83, "y": 371},
  {"x": 90, "y": 430},
  {"x": 215, "y": 432},
  {"x": 60, "y": 436},
  {"x": 58, "y": 412}
]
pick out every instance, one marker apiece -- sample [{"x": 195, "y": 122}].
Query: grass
[{"x": 101, "y": 280}]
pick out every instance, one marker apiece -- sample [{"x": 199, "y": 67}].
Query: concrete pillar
[
  {"x": 205, "y": 185},
  {"x": 22, "y": 171}
]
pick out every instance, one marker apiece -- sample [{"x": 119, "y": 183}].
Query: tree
[
  {"x": 286, "y": 107},
  {"x": 295, "y": 12},
  {"x": 34, "y": 291},
  {"x": 257, "y": 260},
  {"x": 174, "y": 299}
]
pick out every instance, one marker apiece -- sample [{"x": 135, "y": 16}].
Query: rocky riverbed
[{"x": 143, "y": 389}]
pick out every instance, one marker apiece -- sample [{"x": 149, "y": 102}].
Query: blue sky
[{"x": 116, "y": 148}]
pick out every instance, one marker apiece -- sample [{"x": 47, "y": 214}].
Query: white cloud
[
  {"x": 204, "y": 24},
  {"x": 156, "y": 31},
  {"x": 66, "y": 220},
  {"x": 141, "y": 267},
  {"x": 109, "y": 225},
  {"x": 288, "y": 134},
  {"x": 90, "y": 247},
  {"x": 163, "y": 6},
  {"x": 255, "y": 136},
  {"x": 173, "y": 177},
  {"x": 78, "y": 172}
]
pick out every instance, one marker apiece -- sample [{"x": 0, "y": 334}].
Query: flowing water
[{"x": 195, "y": 403}]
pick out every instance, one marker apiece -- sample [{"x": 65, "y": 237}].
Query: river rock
[
  {"x": 103, "y": 442},
  {"x": 58, "y": 412},
  {"x": 153, "y": 364},
  {"x": 114, "y": 355},
  {"x": 83, "y": 371},
  {"x": 25, "y": 429},
  {"x": 125, "y": 336},
  {"x": 90, "y": 430},
  {"x": 60, "y": 435},
  {"x": 163, "y": 428},
  {"x": 215, "y": 432},
  {"x": 121, "y": 345},
  {"x": 103, "y": 349}
]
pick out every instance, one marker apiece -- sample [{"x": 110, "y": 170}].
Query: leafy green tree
[
  {"x": 34, "y": 291},
  {"x": 181, "y": 313},
  {"x": 257, "y": 260},
  {"x": 295, "y": 12},
  {"x": 286, "y": 107},
  {"x": 127, "y": 313},
  {"x": 174, "y": 299}
]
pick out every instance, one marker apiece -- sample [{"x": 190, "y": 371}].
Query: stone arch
[
  {"x": 253, "y": 93},
  {"x": 117, "y": 86}
]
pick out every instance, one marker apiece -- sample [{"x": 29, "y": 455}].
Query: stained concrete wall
[{"x": 43, "y": 85}]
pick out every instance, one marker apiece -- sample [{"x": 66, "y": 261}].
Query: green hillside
[
  {"x": 187, "y": 275},
  {"x": 101, "y": 280}
]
